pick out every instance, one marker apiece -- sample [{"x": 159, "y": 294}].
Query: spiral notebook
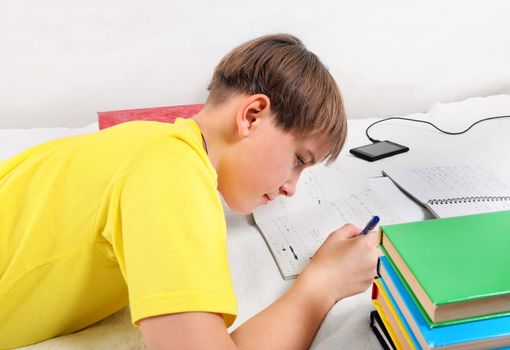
[{"x": 453, "y": 190}]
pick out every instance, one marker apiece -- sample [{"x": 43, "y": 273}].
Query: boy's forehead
[{"x": 316, "y": 143}]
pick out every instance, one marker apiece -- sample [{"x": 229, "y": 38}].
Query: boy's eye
[{"x": 299, "y": 161}]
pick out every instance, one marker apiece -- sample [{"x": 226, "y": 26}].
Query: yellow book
[{"x": 390, "y": 318}]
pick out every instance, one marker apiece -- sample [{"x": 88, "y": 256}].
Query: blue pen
[{"x": 371, "y": 224}]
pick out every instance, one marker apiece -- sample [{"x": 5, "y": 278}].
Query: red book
[{"x": 161, "y": 114}]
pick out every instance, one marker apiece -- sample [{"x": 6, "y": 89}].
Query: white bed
[{"x": 256, "y": 277}]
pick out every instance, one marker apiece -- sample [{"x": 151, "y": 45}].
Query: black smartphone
[{"x": 378, "y": 150}]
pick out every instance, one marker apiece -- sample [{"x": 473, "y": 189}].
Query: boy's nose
[{"x": 288, "y": 189}]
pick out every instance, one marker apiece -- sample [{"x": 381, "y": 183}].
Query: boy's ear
[{"x": 250, "y": 111}]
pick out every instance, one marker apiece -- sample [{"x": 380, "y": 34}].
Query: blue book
[{"x": 487, "y": 333}]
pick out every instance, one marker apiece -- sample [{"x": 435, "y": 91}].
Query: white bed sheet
[{"x": 257, "y": 280}]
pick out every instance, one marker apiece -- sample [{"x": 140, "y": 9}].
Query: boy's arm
[
  {"x": 343, "y": 266},
  {"x": 289, "y": 323}
]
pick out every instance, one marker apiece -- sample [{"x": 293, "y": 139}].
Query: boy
[{"x": 132, "y": 213}]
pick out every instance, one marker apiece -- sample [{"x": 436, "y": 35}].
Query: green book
[{"x": 458, "y": 268}]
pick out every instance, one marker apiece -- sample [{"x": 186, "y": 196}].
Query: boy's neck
[{"x": 217, "y": 124}]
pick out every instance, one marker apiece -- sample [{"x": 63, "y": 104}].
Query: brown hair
[{"x": 304, "y": 96}]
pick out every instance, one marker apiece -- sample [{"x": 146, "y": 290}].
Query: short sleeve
[{"x": 172, "y": 248}]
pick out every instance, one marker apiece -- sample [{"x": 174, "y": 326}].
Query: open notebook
[
  {"x": 453, "y": 190},
  {"x": 327, "y": 197}
]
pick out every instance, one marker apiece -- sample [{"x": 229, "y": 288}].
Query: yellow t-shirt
[{"x": 88, "y": 222}]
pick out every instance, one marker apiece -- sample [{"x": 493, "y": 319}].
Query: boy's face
[{"x": 265, "y": 164}]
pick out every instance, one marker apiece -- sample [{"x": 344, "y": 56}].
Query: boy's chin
[
  {"x": 241, "y": 211},
  {"x": 238, "y": 208}
]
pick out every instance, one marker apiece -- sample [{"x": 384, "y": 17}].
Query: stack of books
[{"x": 444, "y": 284}]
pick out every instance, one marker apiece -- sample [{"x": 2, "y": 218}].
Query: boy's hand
[{"x": 344, "y": 265}]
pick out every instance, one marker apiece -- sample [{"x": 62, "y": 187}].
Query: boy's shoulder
[
  {"x": 147, "y": 132},
  {"x": 174, "y": 145}
]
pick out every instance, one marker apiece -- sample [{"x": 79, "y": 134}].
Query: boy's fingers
[
  {"x": 349, "y": 231},
  {"x": 373, "y": 236}
]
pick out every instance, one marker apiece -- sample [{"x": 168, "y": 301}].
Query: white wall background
[{"x": 61, "y": 61}]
